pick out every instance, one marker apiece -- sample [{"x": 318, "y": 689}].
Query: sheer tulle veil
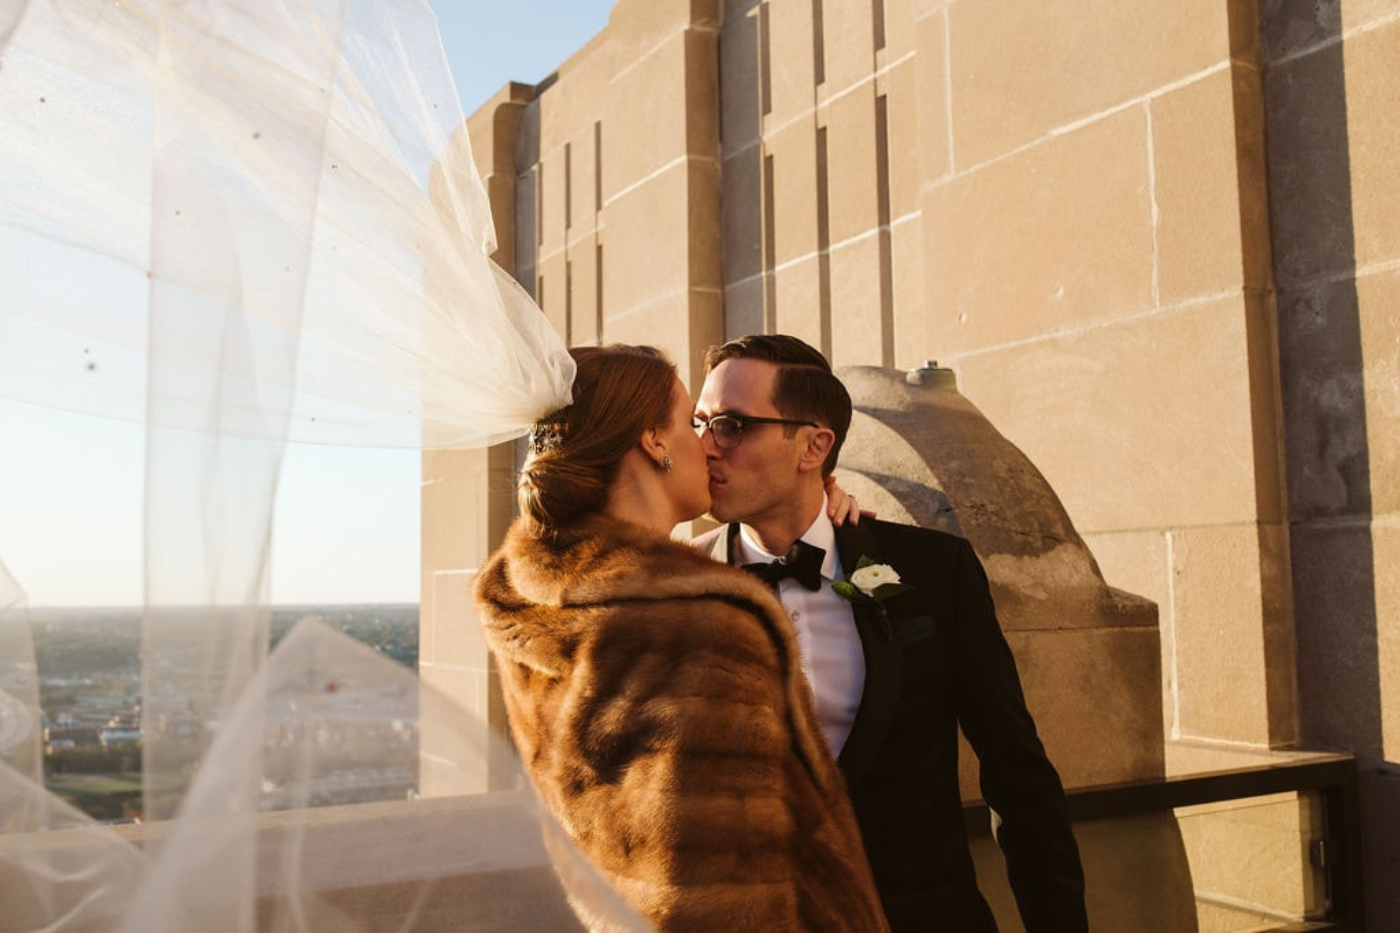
[{"x": 245, "y": 223}]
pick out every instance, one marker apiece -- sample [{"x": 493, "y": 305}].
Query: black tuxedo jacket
[{"x": 936, "y": 659}]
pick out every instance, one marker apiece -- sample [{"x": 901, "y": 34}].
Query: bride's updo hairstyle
[{"x": 619, "y": 392}]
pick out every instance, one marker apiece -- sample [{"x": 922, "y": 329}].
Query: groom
[{"x": 895, "y": 678}]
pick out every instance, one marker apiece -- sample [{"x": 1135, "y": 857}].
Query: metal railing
[{"x": 1333, "y": 777}]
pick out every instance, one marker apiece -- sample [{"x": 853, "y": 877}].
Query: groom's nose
[{"x": 712, "y": 450}]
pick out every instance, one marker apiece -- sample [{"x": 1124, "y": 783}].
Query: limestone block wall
[
  {"x": 617, "y": 188},
  {"x": 1096, "y": 250},
  {"x": 820, "y": 175},
  {"x": 1070, "y": 211}
]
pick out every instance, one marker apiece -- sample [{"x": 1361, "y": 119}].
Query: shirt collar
[{"x": 821, "y": 533}]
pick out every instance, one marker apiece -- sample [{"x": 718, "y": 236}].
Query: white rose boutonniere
[
  {"x": 871, "y": 577},
  {"x": 871, "y": 582}
]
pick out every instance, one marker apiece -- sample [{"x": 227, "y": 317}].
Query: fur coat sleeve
[{"x": 657, "y": 702}]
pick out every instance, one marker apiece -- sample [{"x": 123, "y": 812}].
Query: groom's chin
[{"x": 720, "y": 514}]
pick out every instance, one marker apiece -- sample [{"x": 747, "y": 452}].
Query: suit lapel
[
  {"x": 723, "y": 548},
  {"x": 884, "y": 663}
]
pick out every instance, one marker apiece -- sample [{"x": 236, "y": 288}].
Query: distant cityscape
[{"x": 90, "y": 692}]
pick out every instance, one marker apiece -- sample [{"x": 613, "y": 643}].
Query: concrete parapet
[{"x": 1088, "y": 654}]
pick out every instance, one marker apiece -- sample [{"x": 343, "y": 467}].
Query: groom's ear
[{"x": 818, "y": 446}]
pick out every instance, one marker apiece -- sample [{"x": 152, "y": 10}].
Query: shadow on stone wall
[{"x": 1326, "y": 430}]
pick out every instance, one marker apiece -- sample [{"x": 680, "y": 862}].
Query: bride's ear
[{"x": 653, "y": 447}]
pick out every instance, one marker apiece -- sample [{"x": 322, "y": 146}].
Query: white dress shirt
[{"x": 832, "y": 656}]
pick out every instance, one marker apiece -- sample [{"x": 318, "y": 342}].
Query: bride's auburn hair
[{"x": 619, "y": 392}]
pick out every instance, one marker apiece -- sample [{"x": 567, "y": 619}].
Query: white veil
[{"x": 243, "y": 223}]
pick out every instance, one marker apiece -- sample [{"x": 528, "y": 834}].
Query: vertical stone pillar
[
  {"x": 1332, "y": 77},
  {"x": 468, "y": 503}
]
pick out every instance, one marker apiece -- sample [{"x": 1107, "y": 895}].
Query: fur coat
[{"x": 658, "y": 703}]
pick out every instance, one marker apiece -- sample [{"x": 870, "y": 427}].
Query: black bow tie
[{"x": 802, "y": 562}]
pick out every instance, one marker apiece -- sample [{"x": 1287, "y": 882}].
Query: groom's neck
[{"x": 777, "y": 530}]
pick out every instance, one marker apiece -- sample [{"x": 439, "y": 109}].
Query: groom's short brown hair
[{"x": 805, "y": 389}]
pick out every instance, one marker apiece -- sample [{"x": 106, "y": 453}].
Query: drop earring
[{"x": 667, "y": 463}]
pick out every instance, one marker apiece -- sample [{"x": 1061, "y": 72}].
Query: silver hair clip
[{"x": 547, "y": 435}]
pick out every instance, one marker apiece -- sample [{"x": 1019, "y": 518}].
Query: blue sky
[
  {"x": 490, "y": 43},
  {"x": 347, "y": 523}
]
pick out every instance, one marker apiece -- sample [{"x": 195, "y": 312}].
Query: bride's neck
[{"x": 637, "y": 496}]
